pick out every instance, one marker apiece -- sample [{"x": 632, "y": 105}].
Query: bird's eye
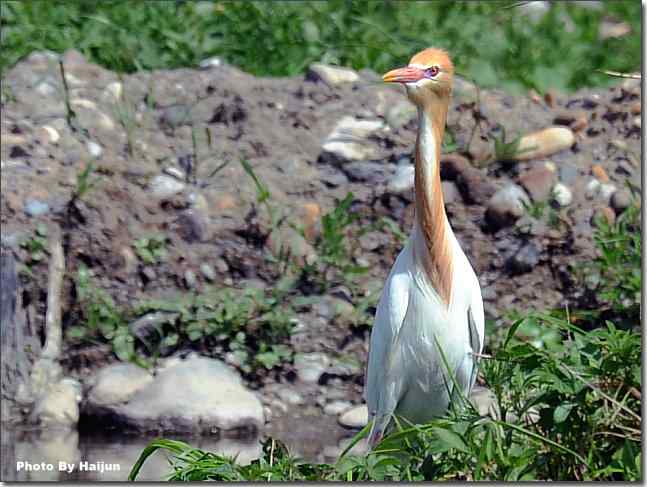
[{"x": 432, "y": 72}]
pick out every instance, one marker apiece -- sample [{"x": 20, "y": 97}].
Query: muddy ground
[{"x": 140, "y": 127}]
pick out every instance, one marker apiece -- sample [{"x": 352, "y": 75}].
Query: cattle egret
[{"x": 432, "y": 297}]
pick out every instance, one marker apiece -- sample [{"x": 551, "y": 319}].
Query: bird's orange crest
[{"x": 433, "y": 56}]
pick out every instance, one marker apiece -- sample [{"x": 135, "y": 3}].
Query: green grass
[{"x": 490, "y": 41}]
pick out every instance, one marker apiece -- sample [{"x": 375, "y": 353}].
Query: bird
[{"x": 429, "y": 325}]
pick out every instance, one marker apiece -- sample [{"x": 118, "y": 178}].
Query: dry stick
[
  {"x": 619, "y": 74},
  {"x": 53, "y": 327}
]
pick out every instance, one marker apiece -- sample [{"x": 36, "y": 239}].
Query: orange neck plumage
[{"x": 436, "y": 257}]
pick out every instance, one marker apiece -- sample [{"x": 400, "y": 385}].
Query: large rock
[
  {"x": 506, "y": 206},
  {"x": 544, "y": 143},
  {"x": 349, "y": 140},
  {"x": 59, "y": 405},
  {"x": 356, "y": 417},
  {"x": 117, "y": 383},
  {"x": 197, "y": 395},
  {"x": 332, "y": 75}
]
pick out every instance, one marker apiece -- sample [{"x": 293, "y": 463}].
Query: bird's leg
[{"x": 481, "y": 355}]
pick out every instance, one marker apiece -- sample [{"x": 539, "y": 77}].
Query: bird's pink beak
[{"x": 408, "y": 74}]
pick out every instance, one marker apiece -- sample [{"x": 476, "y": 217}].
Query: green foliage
[
  {"x": 491, "y": 42},
  {"x": 568, "y": 410},
  {"x": 102, "y": 319},
  {"x": 252, "y": 324},
  {"x": 614, "y": 277},
  {"x": 36, "y": 245},
  {"x": 151, "y": 249}
]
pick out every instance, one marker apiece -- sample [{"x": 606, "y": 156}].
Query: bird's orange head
[{"x": 429, "y": 72}]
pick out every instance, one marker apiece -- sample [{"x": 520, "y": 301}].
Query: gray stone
[
  {"x": 310, "y": 366},
  {"x": 193, "y": 226},
  {"x": 163, "y": 186},
  {"x": 94, "y": 149},
  {"x": 290, "y": 396},
  {"x": 150, "y": 324},
  {"x": 176, "y": 116},
  {"x": 506, "y": 206},
  {"x": 621, "y": 200},
  {"x": 332, "y": 75},
  {"x": 117, "y": 383},
  {"x": 207, "y": 272},
  {"x": 356, "y": 417},
  {"x": 450, "y": 192},
  {"x": 484, "y": 400},
  {"x": 538, "y": 182},
  {"x": 562, "y": 194},
  {"x": 607, "y": 190},
  {"x": 194, "y": 395},
  {"x": 212, "y": 62},
  {"x": 59, "y": 405},
  {"x": 568, "y": 174},
  {"x": 335, "y": 408},
  {"x": 365, "y": 171},
  {"x": 525, "y": 259},
  {"x": 592, "y": 188},
  {"x": 190, "y": 279},
  {"x": 36, "y": 208},
  {"x": 402, "y": 181},
  {"x": 400, "y": 114},
  {"x": 349, "y": 140}
]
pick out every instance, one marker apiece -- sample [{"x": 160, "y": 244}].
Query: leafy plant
[
  {"x": 151, "y": 249},
  {"x": 37, "y": 244}
]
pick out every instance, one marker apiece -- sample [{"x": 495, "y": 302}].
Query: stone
[
  {"x": 506, "y": 206},
  {"x": 163, "y": 186},
  {"x": 334, "y": 408},
  {"x": 621, "y": 200},
  {"x": 208, "y": 272},
  {"x": 600, "y": 174},
  {"x": 592, "y": 189},
  {"x": 606, "y": 191},
  {"x": 349, "y": 140},
  {"x": 356, "y": 417},
  {"x": 36, "y": 208},
  {"x": 450, "y": 192},
  {"x": 562, "y": 195},
  {"x": 190, "y": 279},
  {"x": 402, "y": 181},
  {"x": 290, "y": 396},
  {"x": 51, "y": 134},
  {"x": 538, "y": 182},
  {"x": 197, "y": 395},
  {"x": 176, "y": 116},
  {"x": 311, "y": 366},
  {"x": 59, "y": 405},
  {"x": 149, "y": 324},
  {"x": 117, "y": 383},
  {"x": 484, "y": 401},
  {"x": 114, "y": 90},
  {"x": 211, "y": 62},
  {"x": 94, "y": 149},
  {"x": 366, "y": 172},
  {"x": 525, "y": 259},
  {"x": 475, "y": 186},
  {"x": 193, "y": 226},
  {"x": 45, "y": 89},
  {"x": 331, "y": 75},
  {"x": 544, "y": 143},
  {"x": 400, "y": 113},
  {"x": 452, "y": 166}
]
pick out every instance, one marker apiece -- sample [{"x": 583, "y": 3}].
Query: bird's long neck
[{"x": 436, "y": 253}]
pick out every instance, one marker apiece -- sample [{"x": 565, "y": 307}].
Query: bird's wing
[{"x": 383, "y": 390}]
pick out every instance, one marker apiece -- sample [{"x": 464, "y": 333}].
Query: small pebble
[
  {"x": 562, "y": 194},
  {"x": 621, "y": 200},
  {"x": 592, "y": 189},
  {"x": 212, "y": 62},
  {"x": 52, "y": 134},
  {"x": 336, "y": 407},
  {"x": 600, "y": 174},
  {"x": 356, "y": 417},
  {"x": 207, "y": 272},
  {"x": 606, "y": 191},
  {"x": 94, "y": 149},
  {"x": 403, "y": 180},
  {"x": 190, "y": 279},
  {"x": 36, "y": 208},
  {"x": 114, "y": 90},
  {"x": 163, "y": 186}
]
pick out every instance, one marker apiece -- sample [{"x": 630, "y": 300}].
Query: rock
[
  {"x": 117, "y": 383},
  {"x": 212, "y": 62},
  {"x": 59, "y": 405},
  {"x": 348, "y": 140},
  {"x": 367, "y": 172},
  {"x": 600, "y": 174},
  {"x": 45, "y": 89},
  {"x": 290, "y": 396},
  {"x": 176, "y": 115},
  {"x": 36, "y": 208},
  {"x": 452, "y": 166},
  {"x": 190, "y": 279},
  {"x": 356, "y": 417},
  {"x": 51, "y": 134},
  {"x": 331, "y": 75},
  {"x": 402, "y": 181},
  {"x": 310, "y": 366},
  {"x": 544, "y": 143},
  {"x": 606, "y": 191},
  {"x": 335, "y": 408},
  {"x": 562, "y": 195},
  {"x": 450, "y": 192},
  {"x": 400, "y": 114},
  {"x": 193, "y": 226},
  {"x": 525, "y": 259},
  {"x": 506, "y": 206},
  {"x": 114, "y": 90},
  {"x": 94, "y": 149},
  {"x": 621, "y": 200},
  {"x": 475, "y": 186},
  {"x": 208, "y": 272},
  {"x": 190, "y": 396},
  {"x": 538, "y": 182},
  {"x": 484, "y": 401},
  {"x": 592, "y": 189},
  {"x": 164, "y": 187},
  {"x": 149, "y": 324}
]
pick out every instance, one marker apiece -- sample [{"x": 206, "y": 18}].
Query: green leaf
[{"x": 562, "y": 411}]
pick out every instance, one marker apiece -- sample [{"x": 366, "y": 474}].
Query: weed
[
  {"x": 36, "y": 245},
  {"x": 151, "y": 249}
]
